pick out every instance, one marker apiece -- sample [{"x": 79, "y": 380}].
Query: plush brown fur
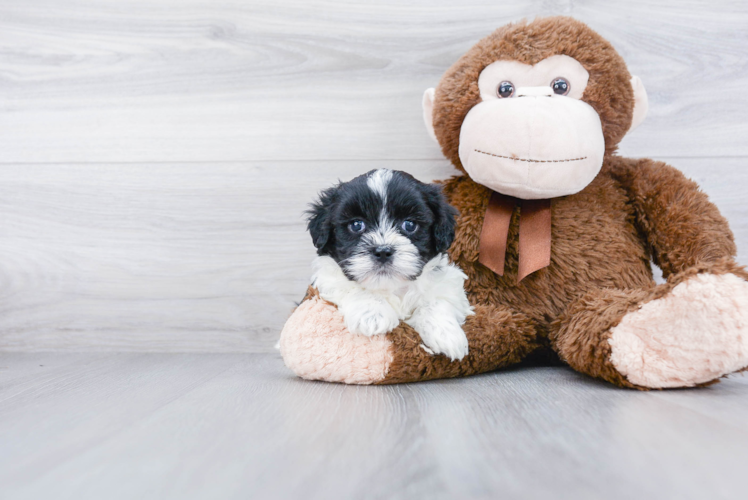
[
  {"x": 602, "y": 237},
  {"x": 497, "y": 337}
]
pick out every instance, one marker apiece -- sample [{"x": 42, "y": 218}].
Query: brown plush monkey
[{"x": 556, "y": 232}]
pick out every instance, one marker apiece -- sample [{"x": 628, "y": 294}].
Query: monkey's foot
[
  {"x": 316, "y": 345},
  {"x": 693, "y": 335}
]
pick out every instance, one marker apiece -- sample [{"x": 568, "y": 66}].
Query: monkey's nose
[
  {"x": 383, "y": 253},
  {"x": 535, "y": 91}
]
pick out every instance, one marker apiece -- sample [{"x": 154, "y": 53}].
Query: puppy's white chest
[
  {"x": 400, "y": 299},
  {"x": 434, "y": 304}
]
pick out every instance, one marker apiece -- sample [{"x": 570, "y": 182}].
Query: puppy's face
[{"x": 382, "y": 227}]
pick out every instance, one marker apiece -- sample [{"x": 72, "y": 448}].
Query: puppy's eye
[
  {"x": 409, "y": 226},
  {"x": 357, "y": 226}
]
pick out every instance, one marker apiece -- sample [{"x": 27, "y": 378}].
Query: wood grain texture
[
  {"x": 179, "y": 257},
  {"x": 189, "y": 426},
  {"x": 156, "y": 156},
  {"x": 227, "y": 80},
  {"x": 188, "y": 257}
]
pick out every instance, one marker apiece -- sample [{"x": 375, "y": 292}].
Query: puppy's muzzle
[{"x": 383, "y": 253}]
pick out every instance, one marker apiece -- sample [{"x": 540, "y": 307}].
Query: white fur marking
[
  {"x": 378, "y": 181},
  {"x": 405, "y": 265}
]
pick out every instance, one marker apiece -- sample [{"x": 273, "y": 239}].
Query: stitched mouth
[{"x": 530, "y": 160}]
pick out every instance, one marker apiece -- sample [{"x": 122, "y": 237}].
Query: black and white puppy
[{"x": 381, "y": 239}]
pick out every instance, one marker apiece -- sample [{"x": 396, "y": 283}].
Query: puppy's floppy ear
[
  {"x": 319, "y": 220},
  {"x": 443, "y": 229}
]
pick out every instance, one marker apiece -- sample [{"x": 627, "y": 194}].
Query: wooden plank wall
[{"x": 156, "y": 155}]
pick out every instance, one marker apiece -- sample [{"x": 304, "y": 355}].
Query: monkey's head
[{"x": 531, "y": 110}]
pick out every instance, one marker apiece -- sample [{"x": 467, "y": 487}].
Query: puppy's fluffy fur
[{"x": 380, "y": 240}]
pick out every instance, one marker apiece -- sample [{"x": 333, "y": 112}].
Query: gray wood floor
[{"x": 182, "y": 426}]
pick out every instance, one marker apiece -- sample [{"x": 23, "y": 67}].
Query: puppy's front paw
[
  {"x": 442, "y": 335},
  {"x": 374, "y": 319}
]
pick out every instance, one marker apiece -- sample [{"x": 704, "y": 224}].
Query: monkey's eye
[
  {"x": 505, "y": 89},
  {"x": 357, "y": 226},
  {"x": 560, "y": 86},
  {"x": 409, "y": 226}
]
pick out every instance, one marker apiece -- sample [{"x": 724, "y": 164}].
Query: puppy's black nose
[{"x": 383, "y": 253}]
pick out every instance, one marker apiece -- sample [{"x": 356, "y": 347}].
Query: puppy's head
[{"x": 382, "y": 227}]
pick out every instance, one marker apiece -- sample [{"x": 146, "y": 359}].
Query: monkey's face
[
  {"x": 531, "y": 136},
  {"x": 531, "y": 110}
]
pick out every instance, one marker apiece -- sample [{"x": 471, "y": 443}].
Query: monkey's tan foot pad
[
  {"x": 316, "y": 345},
  {"x": 695, "y": 334}
]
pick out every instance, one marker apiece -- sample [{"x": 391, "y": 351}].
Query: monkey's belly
[{"x": 594, "y": 245}]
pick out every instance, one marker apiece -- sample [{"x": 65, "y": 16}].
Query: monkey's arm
[
  {"x": 498, "y": 337},
  {"x": 682, "y": 227},
  {"x": 316, "y": 345}
]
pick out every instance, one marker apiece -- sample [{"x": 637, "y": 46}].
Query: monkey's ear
[
  {"x": 319, "y": 221},
  {"x": 428, "y": 112},
  {"x": 443, "y": 229},
  {"x": 641, "y": 102}
]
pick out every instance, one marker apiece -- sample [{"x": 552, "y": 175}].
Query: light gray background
[{"x": 156, "y": 156}]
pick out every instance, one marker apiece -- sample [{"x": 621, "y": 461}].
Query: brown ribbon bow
[{"x": 534, "y": 234}]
